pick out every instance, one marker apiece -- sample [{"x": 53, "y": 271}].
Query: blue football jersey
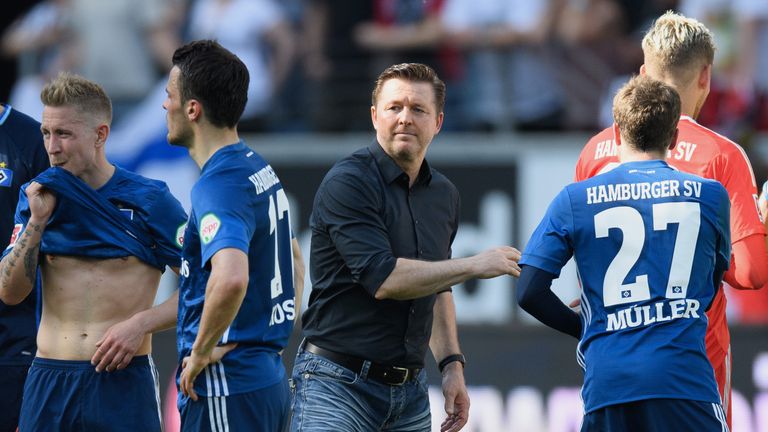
[
  {"x": 22, "y": 157},
  {"x": 646, "y": 240},
  {"x": 77, "y": 231},
  {"x": 238, "y": 202}
]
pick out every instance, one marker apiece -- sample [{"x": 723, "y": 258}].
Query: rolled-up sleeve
[{"x": 350, "y": 210}]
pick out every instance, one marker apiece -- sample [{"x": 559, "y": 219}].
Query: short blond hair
[
  {"x": 647, "y": 111},
  {"x": 678, "y": 43},
  {"x": 73, "y": 90}
]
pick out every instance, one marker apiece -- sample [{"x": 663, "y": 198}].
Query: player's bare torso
[{"x": 83, "y": 297}]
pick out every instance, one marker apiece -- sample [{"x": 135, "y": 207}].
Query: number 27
[{"x": 630, "y": 222}]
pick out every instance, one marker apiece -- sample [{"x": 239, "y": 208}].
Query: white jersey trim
[{"x": 156, "y": 380}]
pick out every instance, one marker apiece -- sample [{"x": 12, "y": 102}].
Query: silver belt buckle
[{"x": 406, "y": 372}]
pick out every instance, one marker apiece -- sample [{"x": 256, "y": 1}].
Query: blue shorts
[
  {"x": 657, "y": 415},
  {"x": 11, "y": 386},
  {"x": 68, "y": 395},
  {"x": 261, "y": 410}
]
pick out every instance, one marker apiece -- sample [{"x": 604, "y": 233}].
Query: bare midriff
[{"x": 84, "y": 297}]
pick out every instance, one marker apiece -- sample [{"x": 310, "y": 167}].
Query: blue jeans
[{"x": 329, "y": 397}]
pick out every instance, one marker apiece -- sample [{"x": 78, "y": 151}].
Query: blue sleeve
[
  {"x": 535, "y": 297},
  {"x": 225, "y": 214},
  {"x": 350, "y": 210},
  {"x": 723, "y": 258},
  {"x": 167, "y": 222},
  {"x": 550, "y": 247},
  {"x": 20, "y": 219}
]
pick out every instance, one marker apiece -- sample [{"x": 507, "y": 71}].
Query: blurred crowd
[
  {"x": 544, "y": 65},
  {"x": 510, "y": 65}
]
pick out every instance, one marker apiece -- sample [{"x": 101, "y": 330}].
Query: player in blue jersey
[
  {"x": 651, "y": 245},
  {"x": 100, "y": 237},
  {"x": 241, "y": 269},
  {"x": 22, "y": 157}
]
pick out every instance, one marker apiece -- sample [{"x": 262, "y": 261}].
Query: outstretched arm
[
  {"x": 535, "y": 297},
  {"x": 414, "y": 279}
]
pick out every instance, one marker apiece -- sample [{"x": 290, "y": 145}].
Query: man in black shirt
[
  {"x": 22, "y": 157},
  {"x": 382, "y": 226}
]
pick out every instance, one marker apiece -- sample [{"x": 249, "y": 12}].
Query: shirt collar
[
  {"x": 647, "y": 164},
  {"x": 5, "y": 114},
  {"x": 390, "y": 171}
]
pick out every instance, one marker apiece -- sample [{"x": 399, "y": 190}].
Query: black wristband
[{"x": 450, "y": 359}]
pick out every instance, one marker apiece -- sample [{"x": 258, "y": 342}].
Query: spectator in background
[
  {"x": 598, "y": 49},
  {"x": 410, "y": 31},
  {"x": 41, "y": 41},
  {"x": 741, "y": 29},
  {"x": 335, "y": 66},
  {"x": 508, "y": 78},
  {"x": 125, "y": 46},
  {"x": 258, "y": 32},
  {"x": 401, "y": 31},
  {"x": 288, "y": 112}
]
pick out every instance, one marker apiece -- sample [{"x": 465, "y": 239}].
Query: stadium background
[{"x": 522, "y": 376}]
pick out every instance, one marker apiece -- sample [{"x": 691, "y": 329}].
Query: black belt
[{"x": 391, "y": 375}]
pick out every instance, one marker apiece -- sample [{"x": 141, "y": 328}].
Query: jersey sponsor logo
[
  {"x": 6, "y": 177},
  {"x": 209, "y": 226},
  {"x": 15, "y": 234},
  {"x": 180, "y": 234}
]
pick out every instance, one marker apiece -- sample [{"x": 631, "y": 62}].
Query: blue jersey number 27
[{"x": 632, "y": 226}]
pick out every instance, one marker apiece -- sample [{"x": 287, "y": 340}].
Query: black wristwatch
[{"x": 450, "y": 359}]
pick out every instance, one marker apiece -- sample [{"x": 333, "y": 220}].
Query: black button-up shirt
[{"x": 364, "y": 217}]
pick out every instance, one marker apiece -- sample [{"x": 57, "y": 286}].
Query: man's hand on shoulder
[
  {"x": 456, "y": 398},
  {"x": 496, "y": 262}
]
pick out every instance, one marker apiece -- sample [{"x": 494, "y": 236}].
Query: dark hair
[
  {"x": 216, "y": 78},
  {"x": 646, "y": 112},
  {"x": 412, "y": 72}
]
